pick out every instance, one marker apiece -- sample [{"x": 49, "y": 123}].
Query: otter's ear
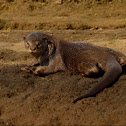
[
  {"x": 48, "y": 39},
  {"x": 51, "y": 44},
  {"x": 51, "y": 48}
]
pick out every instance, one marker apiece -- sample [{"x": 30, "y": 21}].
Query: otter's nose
[{"x": 33, "y": 48}]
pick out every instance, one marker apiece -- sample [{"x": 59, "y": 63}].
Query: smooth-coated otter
[{"x": 82, "y": 58}]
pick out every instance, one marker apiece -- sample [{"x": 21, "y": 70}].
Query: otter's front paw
[
  {"x": 26, "y": 69},
  {"x": 34, "y": 63},
  {"x": 37, "y": 70}
]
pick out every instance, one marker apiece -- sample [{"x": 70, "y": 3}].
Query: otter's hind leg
[{"x": 112, "y": 73}]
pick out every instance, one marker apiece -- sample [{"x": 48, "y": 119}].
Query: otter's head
[{"x": 37, "y": 43}]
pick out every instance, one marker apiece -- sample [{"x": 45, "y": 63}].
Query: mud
[{"x": 27, "y": 99}]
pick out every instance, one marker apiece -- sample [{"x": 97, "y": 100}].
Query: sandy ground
[{"x": 26, "y": 99}]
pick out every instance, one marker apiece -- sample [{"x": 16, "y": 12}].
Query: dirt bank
[
  {"x": 62, "y": 14},
  {"x": 26, "y": 99}
]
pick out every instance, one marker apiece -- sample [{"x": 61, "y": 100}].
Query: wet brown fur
[{"x": 78, "y": 58}]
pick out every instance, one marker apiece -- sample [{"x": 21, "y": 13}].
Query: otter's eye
[
  {"x": 39, "y": 44},
  {"x": 27, "y": 44}
]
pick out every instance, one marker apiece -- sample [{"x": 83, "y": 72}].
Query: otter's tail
[{"x": 112, "y": 73}]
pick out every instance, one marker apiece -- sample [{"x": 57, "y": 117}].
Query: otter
[{"x": 53, "y": 55}]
